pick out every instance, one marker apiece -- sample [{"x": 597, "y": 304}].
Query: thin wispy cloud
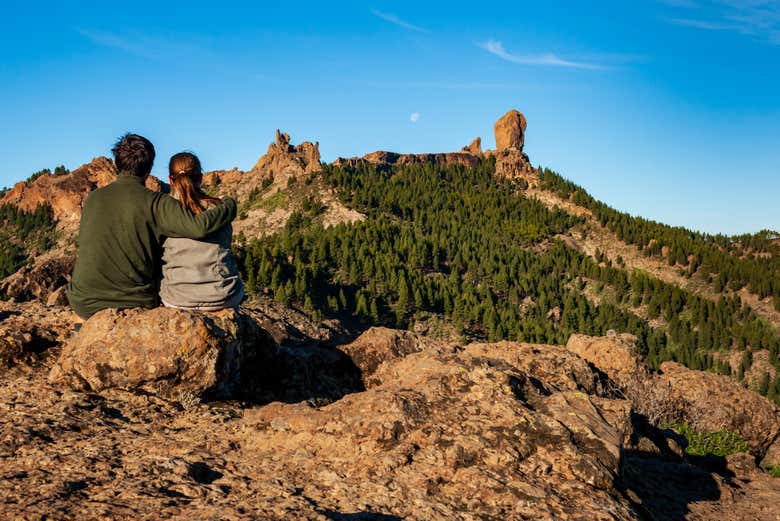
[
  {"x": 414, "y": 117},
  {"x": 707, "y": 25},
  {"x": 759, "y": 19},
  {"x": 114, "y": 41},
  {"x": 395, "y": 20},
  {"x": 152, "y": 47},
  {"x": 496, "y": 48}
]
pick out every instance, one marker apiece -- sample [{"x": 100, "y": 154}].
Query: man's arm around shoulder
[{"x": 173, "y": 220}]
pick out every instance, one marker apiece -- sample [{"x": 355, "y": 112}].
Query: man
[{"x": 122, "y": 229}]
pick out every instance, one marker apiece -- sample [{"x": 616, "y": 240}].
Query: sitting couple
[{"x": 137, "y": 248}]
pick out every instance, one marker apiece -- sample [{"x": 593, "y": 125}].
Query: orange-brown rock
[
  {"x": 715, "y": 402},
  {"x": 475, "y": 147},
  {"x": 384, "y": 158},
  {"x": 614, "y": 355},
  {"x": 484, "y": 431},
  {"x": 446, "y": 432},
  {"x": 65, "y": 193},
  {"x": 278, "y": 165},
  {"x": 37, "y": 280},
  {"x": 163, "y": 350},
  {"x": 282, "y": 155},
  {"x": 772, "y": 457},
  {"x": 510, "y": 131},
  {"x": 28, "y": 330},
  {"x": 514, "y": 164}
]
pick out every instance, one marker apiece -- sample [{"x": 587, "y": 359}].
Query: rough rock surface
[
  {"x": 475, "y": 147},
  {"x": 29, "y": 330},
  {"x": 772, "y": 456},
  {"x": 715, "y": 402},
  {"x": 514, "y": 164},
  {"x": 65, "y": 193},
  {"x": 36, "y": 281},
  {"x": 614, "y": 355},
  {"x": 278, "y": 165},
  {"x": 483, "y": 431},
  {"x": 166, "y": 351},
  {"x": 510, "y": 131},
  {"x": 282, "y": 155}
]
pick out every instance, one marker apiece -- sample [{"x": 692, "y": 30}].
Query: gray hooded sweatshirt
[{"x": 200, "y": 275}]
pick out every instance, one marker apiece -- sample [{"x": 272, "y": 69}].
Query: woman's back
[{"x": 198, "y": 274}]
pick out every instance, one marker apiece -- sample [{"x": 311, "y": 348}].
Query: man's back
[{"x": 122, "y": 229}]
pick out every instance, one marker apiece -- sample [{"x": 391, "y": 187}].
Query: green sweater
[{"x": 123, "y": 226}]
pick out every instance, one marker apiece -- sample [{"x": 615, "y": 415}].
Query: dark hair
[
  {"x": 134, "y": 155},
  {"x": 186, "y": 175}
]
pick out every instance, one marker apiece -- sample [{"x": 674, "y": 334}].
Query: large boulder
[
  {"x": 381, "y": 346},
  {"x": 614, "y": 355},
  {"x": 448, "y": 430},
  {"x": 510, "y": 131},
  {"x": 177, "y": 354},
  {"x": 715, "y": 402}
]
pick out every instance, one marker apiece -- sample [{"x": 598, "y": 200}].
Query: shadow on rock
[
  {"x": 665, "y": 489},
  {"x": 314, "y": 373},
  {"x": 660, "y": 480}
]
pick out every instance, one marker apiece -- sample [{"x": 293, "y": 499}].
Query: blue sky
[{"x": 667, "y": 109}]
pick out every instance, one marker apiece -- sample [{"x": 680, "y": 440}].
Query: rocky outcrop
[
  {"x": 282, "y": 156},
  {"x": 514, "y": 164},
  {"x": 276, "y": 167},
  {"x": 384, "y": 158},
  {"x": 510, "y": 131},
  {"x": 165, "y": 351},
  {"x": 36, "y": 281},
  {"x": 771, "y": 459},
  {"x": 28, "y": 331},
  {"x": 65, "y": 193},
  {"x": 714, "y": 402},
  {"x": 615, "y": 355},
  {"x": 439, "y": 431},
  {"x": 475, "y": 147}
]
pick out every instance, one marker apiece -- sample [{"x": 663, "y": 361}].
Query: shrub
[{"x": 718, "y": 443}]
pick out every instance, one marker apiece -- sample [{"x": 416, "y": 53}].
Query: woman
[{"x": 198, "y": 275}]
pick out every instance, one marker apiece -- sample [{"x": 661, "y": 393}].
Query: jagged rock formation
[
  {"x": 278, "y": 165},
  {"x": 282, "y": 155},
  {"x": 66, "y": 193},
  {"x": 475, "y": 147},
  {"x": 510, "y": 131},
  {"x": 165, "y": 351},
  {"x": 511, "y": 161}
]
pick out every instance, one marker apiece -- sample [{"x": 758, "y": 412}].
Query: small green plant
[
  {"x": 775, "y": 472},
  {"x": 718, "y": 443}
]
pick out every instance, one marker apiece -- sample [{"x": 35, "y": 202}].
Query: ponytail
[{"x": 185, "y": 176}]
